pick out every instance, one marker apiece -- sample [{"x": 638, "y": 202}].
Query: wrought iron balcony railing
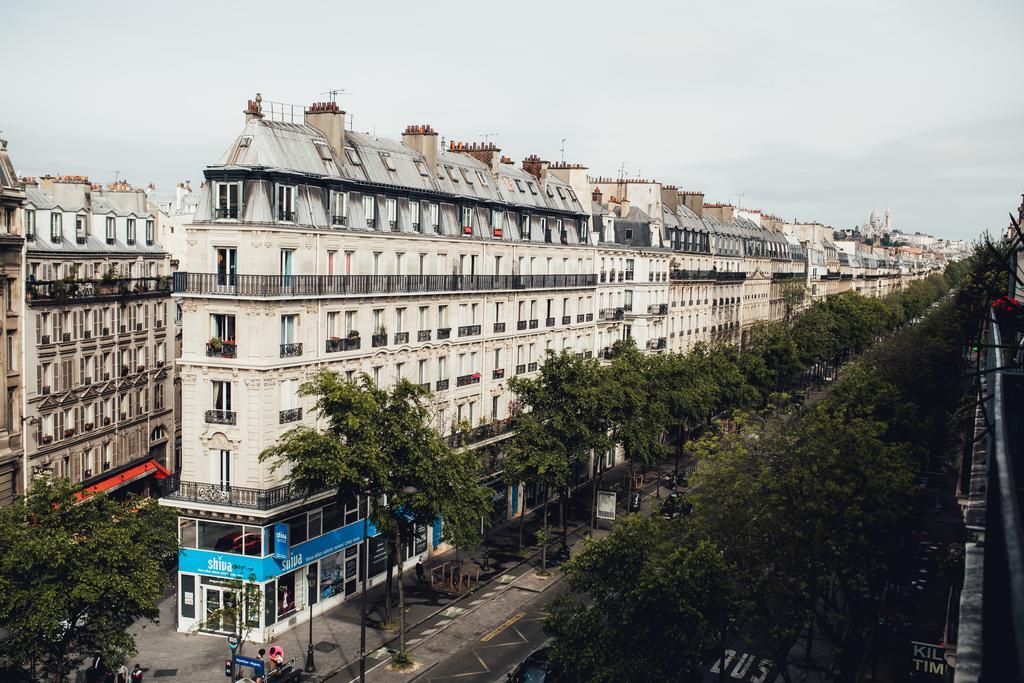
[
  {"x": 174, "y": 488},
  {"x": 291, "y": 350},
  {"x": 224, "y": 349},
  {"x": 41, "y": 292},
  {"x": 335, "y": 344},
  {"x": 221, "y": 417},
  {"x": 469, "y": 330},
  {"x": 291, "y": 415},
  {"x": 361, "y": 285}
]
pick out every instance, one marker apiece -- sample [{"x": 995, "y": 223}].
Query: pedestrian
[
  {"x": 137, "y": 674},
  {"x": 121, "y": 676},
  {"x": 419, "y": 571},
  {"x": 276, "y": 657}
]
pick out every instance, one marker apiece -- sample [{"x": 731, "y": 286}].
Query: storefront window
[
  {"x": 297, "y": 530},
  {"x": 333, "y": 517},
  {"x": 285, "y": 594},
  {"x": 187, "y": 533},
  {"x": 270, "y": 603},
  {"x": 332, "y": 577},
  {"x": 230, "y": 538}
]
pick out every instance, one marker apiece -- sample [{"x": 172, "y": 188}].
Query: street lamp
[{"x": 310, "y": 592}]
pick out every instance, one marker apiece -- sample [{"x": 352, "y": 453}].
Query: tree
[
  {"x": 381, "y": 442},
  {"x": 646, "y": 605},
  {"x": 242, "y": 599},
  {"x": 75, "y": 575},
  {"x": 638, "y": 411}
]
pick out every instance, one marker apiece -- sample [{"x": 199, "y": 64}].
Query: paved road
[{"x": 497, "y": 651}]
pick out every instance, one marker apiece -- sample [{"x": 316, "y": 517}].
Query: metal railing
[
  {"x": 291, "y": 350},
  {"x": 291, "y": 415},
  {"x": 335, "y": 344},
  {"x": 466, "y": 380},
  {"x": 222, "y": 350},
  {"x": 468, "y": 330},
  {"x": 730, "y": 276},
  {"x": 990, "y": 639},
  {"x": 60, "y": 291},
  {"x": 483, "y": 432},
  {"x": 342, "y": 285},
  {"x": 221, "y": 417},
  {"x": 234, "y": 496},
  {"x": 679, "y": 274}
]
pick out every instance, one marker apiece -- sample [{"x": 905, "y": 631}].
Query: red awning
[{"x": 129, "y": 475}]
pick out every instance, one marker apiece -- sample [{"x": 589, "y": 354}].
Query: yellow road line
[{"x": 508, "y": 622}]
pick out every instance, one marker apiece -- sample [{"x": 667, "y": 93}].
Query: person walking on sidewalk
[
  {"x": 419, "y": 572},
  {"x": 137, "y": 674},
  {"x": 121, "y": 676}
]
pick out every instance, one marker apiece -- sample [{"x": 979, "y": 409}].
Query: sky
[{"x": 811, "y": 110}]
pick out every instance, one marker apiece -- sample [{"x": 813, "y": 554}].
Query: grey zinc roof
[
  {"x": 371, "y": 166},
  {"x": 273, "y": 144}
]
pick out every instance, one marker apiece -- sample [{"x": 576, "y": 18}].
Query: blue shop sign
[
  {"x": 229, "y": 565},
  {"x": 280, "y": 541}
]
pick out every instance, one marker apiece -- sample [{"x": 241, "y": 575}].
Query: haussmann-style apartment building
[{"x": 314, "y": 246}]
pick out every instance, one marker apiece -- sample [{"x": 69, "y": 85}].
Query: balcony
[
  {"x": 521, "y": 325},
  {"x": 521, "y": 368},
  {"x": 488, "y": 430},
  {"x": 444, "y": 332},
  {"x": 221, "y": 214},
  {"x": 531, "y": 367},
  {"x": 730, "y": 276},
  {"x": 466, "y": 380},
  {"x": 590, "y": 317},
  {"x": 441, "y": 385},
  {"x": 335, "y": 344},
  {"x": 534, "y": 324},
  {"x": 378, "y": 340},
  {"x": 683, "y": 275},
  {"x": 221, "y": 349},
  {"x": 401, "y": 337},
  {"x": 233, "y": 496},
  {"x": 549, "y": 322},
  {"x": 469, "y": 330},
  {"x": 657, "y": 344},
  {"x": 291, "y": 350},
  {"x": 220, "y": 417},
  {"x": 362, "y": 285},
  {"x": 604, "y": 276},
  {"x": 629, "y": 275},
  {"x": 57, "y": 292},
  {"x": 498, "y": 373},
  {"x": 287, "y": 216},
  {"x": 499, "y": 327},
  {"x": 657, "y": 309},
  {"x": 291, "y": 415},
  {"x": 580, "y": 317},
  {"x": 423, "y": 335},
  {"x": 612, "y": 314}
]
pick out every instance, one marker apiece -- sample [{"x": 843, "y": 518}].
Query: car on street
[{"x": 533, "y": 669}]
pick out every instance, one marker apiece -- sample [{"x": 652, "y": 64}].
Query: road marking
[{"x": 508, "y": 622}]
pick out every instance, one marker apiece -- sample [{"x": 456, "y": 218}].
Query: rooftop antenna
[
  {"x": 563, "y": 150},
  {"x": 487, "y": 137},
  {"x": 335, "y": 93},
  {"x": 739, "y": 200}
]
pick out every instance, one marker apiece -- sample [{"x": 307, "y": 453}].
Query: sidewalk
[{"x": 170, "y": 656}]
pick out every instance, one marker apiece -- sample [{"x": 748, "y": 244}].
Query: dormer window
[
  {"x": 466, "y": 176},
  {"x": 111, "y": 225},
  {"x": 482, "y": 178},
  {"x": 451, "y": 174},
  {"x": 370, "y": 211},
  {"x": 544, "y": 229},
  {"x": 228, "y": 197},
  {"x": 30, "y": 224},
  {"x": 508, "y": 184},
  {"x": 286, "y": 203},
  {"x": 572, "y": 195},
  {"x": 435, "y": 217},
  {"x": 414, "y": 215},
  {"x": 496, "y": 230},
  {"x": 150, "y": 237},
  {"x": 244, "y": 140},
  {"x": 421, "y": 167},
  {"x": 467, "y": 220},
  {"x": 391, "y": 205},
  {"x": 324, "y": 150},
  {"x": 339, "y": 208},
  {"x": 533, "y": 188},
  {"x": 519, "y": 184},
  {"x": 56, "y": 226},
  {"x": 353, "y": 158},
  {"x": 80, "y": 234},
  {"x": 386, "y": 160},
  {"x": 524, "y": 227},
  {"x": 584, "y": 230},
  {"x": 131, "y": 231},
  {"x": 561, "y": 195}
]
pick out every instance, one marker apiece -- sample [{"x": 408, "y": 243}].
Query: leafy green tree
[
  {"x": 647, "y": 604},
  {"x": 240, "y": 613},
  {"x": 382, "y": 442},
  {"x": 639, "y": 412},
  {"x": 74, "y": 575}
]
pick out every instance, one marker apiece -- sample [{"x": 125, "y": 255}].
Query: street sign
[
  {"x": 233, "y": 641},
  {"x": 606, "y": 504},
  {"x": 251, "y": 662}
]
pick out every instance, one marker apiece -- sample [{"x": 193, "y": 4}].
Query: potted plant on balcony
[
  {"x": 108, "y": 280},
  {"x": 354, "y": 334},
  {"x": 89, "y": 426},
  {"x": 47, "y": 438},
  {"x": 380, "y": 336},
  {"x": 69, "y": 433},
  {"x": 216, "y": 344},
  {"x": 1009, "y": 314}
]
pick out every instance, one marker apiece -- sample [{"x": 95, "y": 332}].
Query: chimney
[
  {"x": 329, "y": 119},
  {"x": 179, "y": 197},
  {"x": 423, "y": 139},
  {"x": 670, "y": 197},
  {"x": 254, "y": 110},
  {"x": 623, "y": 207},
  {"x": 723, "y": 212},
  {"x": 596, "y": 194},
  {"x": 538, "y": 168},
  {"x": 488, "y": 153},
  {"x": 694, "y": 201}
]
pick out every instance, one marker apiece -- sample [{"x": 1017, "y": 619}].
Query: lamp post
[
  {"x": 310, "y": 588},
  {"x": 362, "y": 609}
]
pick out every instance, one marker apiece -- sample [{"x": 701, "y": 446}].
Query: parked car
[{"x": 533, "y": 669}]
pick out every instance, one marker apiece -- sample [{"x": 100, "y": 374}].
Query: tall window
[
  {"x": 435, "y": 218},
  {"x": 524, "y": 227},
  {"x": 131, "y": 231},
  {"x": 392, "y": 210},
  {"x": 30, "y": 223},
  {"x": 339, "y": 208},
  {"x": 228, "y": 200},
  {"x": 286, "y": 203},
  {"x": 56, "y": 226},
  {"x": 288, "y": 328},
  {"x": 80, "y": 229},
  {"x": 222, "y": 466},
  {"x": 111, "y": 226},
  {"x": 414, "y": 213},
  {"x": 370, "y": 211},
  {"x": 221, "y": 395},
  {"x": 150, "y": 238}
]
